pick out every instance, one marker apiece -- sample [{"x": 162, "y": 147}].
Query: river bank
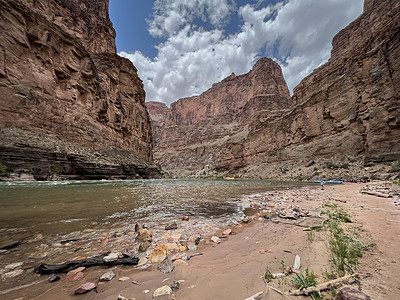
[{"x": 232, "y": 269}]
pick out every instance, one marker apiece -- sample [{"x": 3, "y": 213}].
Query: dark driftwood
[
  {"x": 98, "y": 260},
  {"x": 10, "y": 246}
]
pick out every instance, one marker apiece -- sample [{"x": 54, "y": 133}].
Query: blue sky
[{"x": 182, "y": 47}]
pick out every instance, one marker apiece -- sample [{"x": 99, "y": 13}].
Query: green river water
[{"x": 50, "y": 208}]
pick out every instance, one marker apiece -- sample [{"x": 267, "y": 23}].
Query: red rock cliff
[
  {"x": 349, "y": 106},
  {"x": 202, "y": 131},
  {"x": 61, "y": 81}
]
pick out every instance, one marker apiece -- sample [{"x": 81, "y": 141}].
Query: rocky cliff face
[
  {"x": 350, "y": 106},
  {"x": 204, "y": 131},
  {"x": 61, "y": 79},
  {"x": 158, "y": 112}
]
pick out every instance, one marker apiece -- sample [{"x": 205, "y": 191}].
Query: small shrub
[{"x": 3, "y": 170}]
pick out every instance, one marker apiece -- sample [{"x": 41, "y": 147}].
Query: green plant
[
  {"x": 267, "y": 276},
  {"x": 310, "y": 236},
  {"x": 283, "y": 266},
  {"x": 344, "y": 166},
  {"x": 303, "y": 282},
  {"x": 344, "y": 252},
  {"x": 3, "y": 170}
]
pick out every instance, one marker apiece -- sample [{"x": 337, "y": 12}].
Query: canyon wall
[
  {"x": 70, "y": 107},
  {"x": 349, "y": 106},
  {"x": 201, "y": 132}
]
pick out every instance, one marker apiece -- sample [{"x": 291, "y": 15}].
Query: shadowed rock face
[
  {"x": 61, "y": 79},
  {"x": 349, "y": 106},
  {"x": 158, "y": 113},
  {"x": 203, "y": 131}
]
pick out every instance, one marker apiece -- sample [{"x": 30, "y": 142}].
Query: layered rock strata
[
  {"x": 203, "y": 131},
  {"x": 61, "y": 80},
  {"x": 349, "y": 106}
]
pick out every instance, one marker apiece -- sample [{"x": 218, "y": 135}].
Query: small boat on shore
[{"x": 328, "y": 181}]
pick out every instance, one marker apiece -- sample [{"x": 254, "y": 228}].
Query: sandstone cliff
[
  {"x": 61, "y": 80},
  {"x": 349, "y": 107},
  {"x": 158, "y": 113},
  {"x": 203, "y": 131}
]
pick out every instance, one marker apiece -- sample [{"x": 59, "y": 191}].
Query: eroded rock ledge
[{"x": 61, "y": 81}]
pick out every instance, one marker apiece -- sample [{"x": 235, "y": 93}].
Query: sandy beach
[{"x": 233, "y": 269}]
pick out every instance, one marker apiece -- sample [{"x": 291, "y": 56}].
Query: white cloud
[{"x": 296, "y": 33}]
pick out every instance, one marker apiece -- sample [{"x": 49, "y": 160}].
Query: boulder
[
  {"x": 349, "y": 293},
  {"x": 158, "y": 254}
]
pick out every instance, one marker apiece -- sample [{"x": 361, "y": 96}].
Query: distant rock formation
[
  {"x": 209, "y": 130},
  {"x": 158, "y": 112},
  {"x": 70, "y": 107},
  {"x": 349, "y": 106}
]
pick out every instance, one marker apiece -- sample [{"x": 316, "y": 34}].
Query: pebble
[
  {"x": 142, "y": 261},
  {"x": 84, "y": 288},
  {"x": 120, "y": 297},
  {"x": 215, "y": 239},
  {"x": 164, "y": 290},
  {"x": 123, "y": 278},
  {"x": 146, "y": 292},
  {"x": 191, "y": 246},
  {"x": 108, "y": 276},
  {"x": 12, "y": 274},
  {"x": 13, "y": 266},
  {"x": 143, "y": 235},
  {"x": 171, "y": 226},
  {"x": 297, "y": 263},
  {"x": 172, "y": 248},
  {"x": 185, "y": 218},
  {"x": 53, "y": 278},
  {"x": 74, "y": 271},
  {"x": 180, "y": 262},
  {"x": 166, "y": 266},
  {"x": 74, "y": 277},
  {"x": 111, "y": 257},
  {"x": 227, "y": 232}
]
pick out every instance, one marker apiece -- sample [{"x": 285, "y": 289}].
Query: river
[{"x": 61, "y": 207}]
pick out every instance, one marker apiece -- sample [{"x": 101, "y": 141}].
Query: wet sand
[{"x": 233, "y": 269}]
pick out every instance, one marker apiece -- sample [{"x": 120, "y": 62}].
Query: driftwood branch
[
  {"x": 98, "y": 260},
  {"x": 323, "y": 286}
]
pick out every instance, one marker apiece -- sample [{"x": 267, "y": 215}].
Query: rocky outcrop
[
  {"x": 158, "y": 112},
  {"x": 61, "y": 80},
  {"x": 201, "y": 132},
  {"x": 349, "y": 106}
]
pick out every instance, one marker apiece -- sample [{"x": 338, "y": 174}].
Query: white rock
[
  {"x": 164, "y": 290},
  {"x": 13, "y": 266},
  {"x": 12, "y": 274},
  {"x": 107, "y": 276},
  {"x": 215, "y": 239},
  {"x": 111, "y": 257},
  {"x": 297, "y": 264}
]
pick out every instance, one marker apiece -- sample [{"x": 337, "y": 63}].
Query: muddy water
[{"x": 58, "y": 208}]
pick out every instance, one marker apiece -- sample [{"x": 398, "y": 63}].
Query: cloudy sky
[{"x": 182, "y": 47}]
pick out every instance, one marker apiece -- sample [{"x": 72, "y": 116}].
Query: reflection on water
[{"x": 51, "y": 208}]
